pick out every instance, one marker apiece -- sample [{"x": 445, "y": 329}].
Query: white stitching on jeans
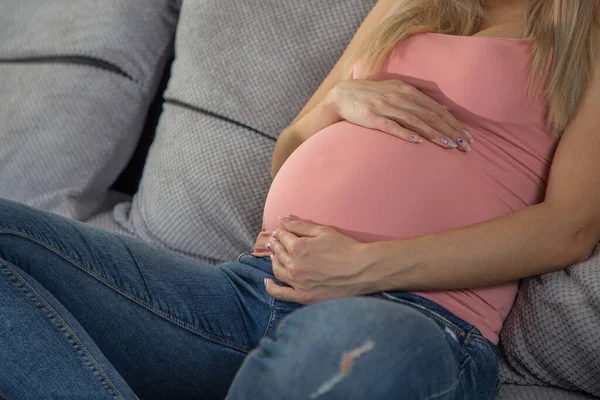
[
  {"x": 272, "y": 318},
  {"x": 63, "y": 323},
  {"x": 181, "y": 323}
]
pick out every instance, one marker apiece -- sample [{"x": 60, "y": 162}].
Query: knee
[{"x": 351, "y": 348}]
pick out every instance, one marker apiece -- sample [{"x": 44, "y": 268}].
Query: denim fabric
[{"x": 88, "y": 314}]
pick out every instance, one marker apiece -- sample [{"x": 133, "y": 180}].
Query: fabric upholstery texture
[
  {"x": 203, "y": 186},
  {"x": 235, "y": 85},
  {"x": 258, "y": 62},
  {"x": 243, "y": 70},
  {"x": 551, "y": 335},
  {"x": 516, "y": 392},
  {"x": 77, "y": 81}
]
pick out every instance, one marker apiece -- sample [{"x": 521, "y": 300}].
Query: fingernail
[
  {"x": 464, "y": 145},
  {"x": 274, "y": 234},
  {"x": 415, "y": 138},
  {"x": 265, "y": 281},
  {"x": 268, "y": 246},
  {"x": 448, "y": 142},
  {"x": 285, "y": 219},
  {"x": 468, "y": 135}
]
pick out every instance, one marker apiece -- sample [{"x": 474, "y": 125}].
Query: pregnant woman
[{"x": 406, "y": 204}]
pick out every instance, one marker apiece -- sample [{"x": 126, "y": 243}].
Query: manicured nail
[
  {"x": 463, "y": 145},
  {"x": 415, "y": 138},
  {"x": 268, "y": 246},
  {"x": 448, "y": 142},
  {"x": 468, "y": 135},
  {"x": 274, "y": 234},
  {"x": 284, "y": 219}
]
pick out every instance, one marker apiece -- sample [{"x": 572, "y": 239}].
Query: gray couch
[{"x": 82, "y": 100}]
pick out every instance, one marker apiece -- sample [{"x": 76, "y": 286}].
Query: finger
[
  {"x": 301, "y": 228},
  {"x": 285, "y": 293},
  {"x": 392, "y": 127},
  {"x": 439, "y": 125},
  {"x": 285, "y": 238},
  {"x": 429, "y": 124},
  {"x": 457, "y": 126},
  {"x": 280, "y": 271},
  {"x": 444, "y": 112},
  {"x": 279, "y": 250},
  {"x": 427, "y": 102},
  {"x": 435, "y": 130},
  {"x": 459, "y": 130}
]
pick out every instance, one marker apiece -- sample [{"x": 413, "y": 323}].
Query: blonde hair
[{"x": 561, "y": 29}]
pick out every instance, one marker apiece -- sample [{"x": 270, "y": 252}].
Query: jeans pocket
[
  {"x": 244, "y": 254},
  {"x": 481, "y": 377},
  {"x": 448, "y": 321},
  {"x": 478, "y": 371}
]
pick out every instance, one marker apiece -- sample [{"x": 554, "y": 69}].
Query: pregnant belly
[{"x": 373, "y": 186}]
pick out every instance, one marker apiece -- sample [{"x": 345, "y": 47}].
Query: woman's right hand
[{"x": 399, "y": 109}]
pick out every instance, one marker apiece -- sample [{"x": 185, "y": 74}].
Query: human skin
[{"x": 319, "y": 263}]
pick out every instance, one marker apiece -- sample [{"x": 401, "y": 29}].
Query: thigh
[
  {"x": 356, "y": 348},
  {"x": 44, "y": 352},
  {"x": 170, "y": 325}
]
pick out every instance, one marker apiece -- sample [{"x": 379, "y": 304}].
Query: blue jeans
[{"x": 88, "y": 314}]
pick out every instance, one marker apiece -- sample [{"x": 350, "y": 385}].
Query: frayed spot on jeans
[
  {"x": 346, "y": 365},
  {"x": 451, "y": 333}
]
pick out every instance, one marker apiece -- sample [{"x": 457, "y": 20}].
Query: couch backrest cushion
[
  {"x": 242, "y": 71},
  {"x": 77, "y": 81},
  {"x": 551, "y": 336}
]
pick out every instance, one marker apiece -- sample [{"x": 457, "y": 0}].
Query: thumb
[{"x": 300, "y": 227}]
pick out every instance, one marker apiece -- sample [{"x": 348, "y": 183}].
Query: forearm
[
  {"x": 533, "y": 241},
  {"x": 320, "y": 117}
]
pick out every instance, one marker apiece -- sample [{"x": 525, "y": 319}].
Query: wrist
[
  {"x": 389, "y": 265},
  {"x": 329, "y": 104},
  {"x": 320, "y": 117}
]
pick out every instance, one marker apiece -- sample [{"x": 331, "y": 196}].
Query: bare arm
[
  {"x": 562, "y": 230},
  {"x": 318, "y": 262},
  {"x": 315, "y": 116}
]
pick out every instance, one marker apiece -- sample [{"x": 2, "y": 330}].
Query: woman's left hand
[{"x": 317, "y": 262}]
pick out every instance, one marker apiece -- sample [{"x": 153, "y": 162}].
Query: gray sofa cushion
[
  {"x": 203, "y": 186},
  {"x": 516, "y": 392},
  {"x": 235, "y": 85},
  {"x": 257, "y": 62},
  {"x": 77, "y": 80},
  {"x": 551, "y": 336}
]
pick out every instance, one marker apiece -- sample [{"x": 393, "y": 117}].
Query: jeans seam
[
  {"x": 272, "y": 318},
  {"x": 174, "y": 320},
  {"x": 482, "y": 340},
  {"x": 433, "y": 315},
  {"x": 241, "y": 256},
  {"x": 429, "y": 313},
  {"x": 443, "y": 392},
  {"x": 95, "y": 367},
  {"x": 468, "y": 361},
  {"x": 138, "y": 269}
]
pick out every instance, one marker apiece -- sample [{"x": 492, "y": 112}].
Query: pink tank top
[{"x": 373, "y": 186}]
